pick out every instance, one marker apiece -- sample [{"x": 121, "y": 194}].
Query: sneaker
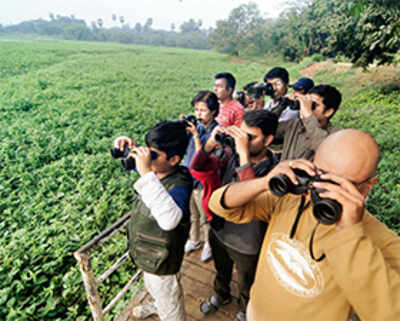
[
  {"x": 211, "y": 304},
  {"x": 206, "y": 254},
  {"x": 144, "y": 310},
  {"x": 191, "y": 246},
  {"x": 240, "y": 316}
]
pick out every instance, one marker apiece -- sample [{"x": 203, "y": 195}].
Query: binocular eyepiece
[{"x": 325, "y": 210}]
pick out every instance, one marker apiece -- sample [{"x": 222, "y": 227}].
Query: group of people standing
[{"x": 229, "y": 157}]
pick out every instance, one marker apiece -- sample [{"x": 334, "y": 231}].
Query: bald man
[{"x": 314, "y": 272}]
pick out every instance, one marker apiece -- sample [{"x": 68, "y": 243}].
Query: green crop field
[{"x": 61, "y": 106}]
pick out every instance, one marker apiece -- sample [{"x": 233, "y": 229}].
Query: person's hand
[
  {"x": 286, "y": 168},
  {"x": 241, "y": 142},
  {"x": 192, "y": 129},
  {"x": 123, "y": 141},
  {"x": 211, "y": 143},
  {"x": 305, "y": 106},
  {"x": 142, "y": 156},
  {"x": 291, "y": 96},
  {"x": 181, "y": 116},
  {"x": 347, "y": 195}
]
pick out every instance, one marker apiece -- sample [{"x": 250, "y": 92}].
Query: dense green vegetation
[
  {"x": 363, "y": 31},
  {"x": 61, "y": 106}
]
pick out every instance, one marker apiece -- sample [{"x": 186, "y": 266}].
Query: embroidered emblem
[{"x": 293, "y": 267}]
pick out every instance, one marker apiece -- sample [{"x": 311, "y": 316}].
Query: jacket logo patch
[{"x": 293, "y": 267}]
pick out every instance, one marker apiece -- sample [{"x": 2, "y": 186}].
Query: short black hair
[
  {"x": 230, "y": 80},
  {"x": 209, "y": 98},
  {"x": 170, "y": 137},
  {"x": 250, "y": 84},
  {"x": 263, "y": 119},
  {"x": 277, "y": 72},
  {"x": 331, "y": 97}
]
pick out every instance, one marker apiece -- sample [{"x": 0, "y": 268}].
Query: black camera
[
  {"x": 225, "y": 140},
  {"x": 241, "y": 98},
  {"x": 257, "y": 90},
  {"x": 128, "y": 162},
  {"x": 190, "y": 119},
  {"x": 326, "y": 211}
]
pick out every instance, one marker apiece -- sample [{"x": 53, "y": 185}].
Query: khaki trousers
[
  {"x": 167, "y": 293},
  {"x": 197, "y": 217}
]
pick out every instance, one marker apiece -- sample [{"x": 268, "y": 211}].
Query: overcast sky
[{"x": 163, "y": 12}]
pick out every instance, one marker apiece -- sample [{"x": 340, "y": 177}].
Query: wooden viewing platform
[{"x": 197, "y": 282}]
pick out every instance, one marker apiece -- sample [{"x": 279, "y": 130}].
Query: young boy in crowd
[
  {"x": 160, "y": 218},
  {"x": 206, "y": 108}
]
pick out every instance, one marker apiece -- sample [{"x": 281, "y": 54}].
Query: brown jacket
[{"x": 301, "y": 137}]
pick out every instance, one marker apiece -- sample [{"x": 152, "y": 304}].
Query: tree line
[
  {"x": 363, "y": 31},
  {"x": 190, "y": 34}
]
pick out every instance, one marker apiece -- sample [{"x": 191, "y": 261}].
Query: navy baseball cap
[{"x": 303, "y": 83}]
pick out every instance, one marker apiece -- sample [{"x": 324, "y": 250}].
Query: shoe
[
  {"x": 191, "y": 246},
  {"x": 241, "y": 316},
  {"x": 144, "y": 310},
  {"x": 211, "y": 304},
  {"x": 206, "y": 254}
]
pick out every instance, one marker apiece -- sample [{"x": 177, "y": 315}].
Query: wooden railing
[{"x": 91, "y": 284}]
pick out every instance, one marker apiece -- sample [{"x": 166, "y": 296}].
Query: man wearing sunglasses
[
  {"x": 237, "y": 244},
  {"x": 357, "y": 258}
]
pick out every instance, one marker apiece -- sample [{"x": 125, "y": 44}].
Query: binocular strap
[
  {"x": 311, "y": 248},
  {"x": 303, "y": 206}
]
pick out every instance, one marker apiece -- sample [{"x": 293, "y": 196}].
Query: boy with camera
[{"x": 160, "y": 217}]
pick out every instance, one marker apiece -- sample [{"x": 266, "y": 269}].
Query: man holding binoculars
[{"x": 315, "y": 270}]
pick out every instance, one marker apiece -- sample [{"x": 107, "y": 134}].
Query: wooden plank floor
[{"x": 197, "y": 281}]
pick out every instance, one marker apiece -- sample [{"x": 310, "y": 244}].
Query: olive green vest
[{"x": 152, "y": 249}]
